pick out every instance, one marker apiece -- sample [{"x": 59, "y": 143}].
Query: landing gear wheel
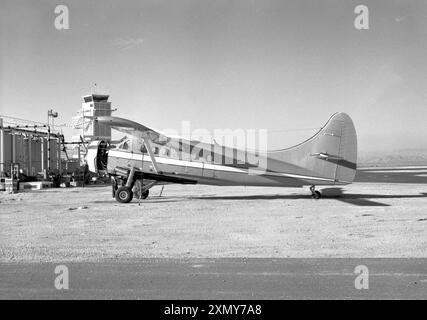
[
  {"x": 114, "y": 186},
  {"x": 137, "y": 190},
  {"x": 124, "y": 195},
  {"x": 316, "y": 195},
  {"x": 145, "y": 194}
]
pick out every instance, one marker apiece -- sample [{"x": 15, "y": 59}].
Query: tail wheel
[
  {"x": 316, "y": 195},
  {"x": 124, "y": 195}
]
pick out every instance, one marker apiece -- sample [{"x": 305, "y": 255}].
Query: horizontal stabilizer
[{"x": 326, "y": 156}]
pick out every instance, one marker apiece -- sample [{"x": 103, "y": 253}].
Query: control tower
[{"x": 93, "y": 105}]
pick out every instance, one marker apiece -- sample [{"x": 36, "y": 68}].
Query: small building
[{"x": 28, "y": 147}]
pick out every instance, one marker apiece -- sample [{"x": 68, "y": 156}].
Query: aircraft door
[
  {"x": 208, "y": 165},
  {"x": 125, "y": 148}
]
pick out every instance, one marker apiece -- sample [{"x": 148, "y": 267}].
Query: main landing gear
[
  {"x": 124, "y": 190},
  {"x": 315, "y": 194},
  {"x": 124, "y": 194}
]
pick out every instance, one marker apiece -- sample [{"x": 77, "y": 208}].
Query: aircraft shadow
[
  {"x": 135, "y": 201},
  {"x": 328, "y": 193},
  {"x": 357, "y": 199}
]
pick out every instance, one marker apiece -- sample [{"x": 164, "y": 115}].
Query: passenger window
[
  {"x": 174, "y": 154},
  {"x": 165, "y": 152},
  {"x": 194, "y": 156}
]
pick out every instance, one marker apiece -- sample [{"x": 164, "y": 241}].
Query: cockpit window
[{"x": 124, "y": 145}]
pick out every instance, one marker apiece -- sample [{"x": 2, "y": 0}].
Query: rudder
[
  {"x": 343, "y": 152},
  {"x": 330, "y": 154}
]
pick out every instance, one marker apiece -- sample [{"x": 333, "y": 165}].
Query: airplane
[{"x": 146, "y": 157}]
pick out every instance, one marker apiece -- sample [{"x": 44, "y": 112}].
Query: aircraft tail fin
[{"x": 330, "y": 154}]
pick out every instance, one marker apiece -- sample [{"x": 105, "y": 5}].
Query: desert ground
[
  {"x": 86, "y": 224},
  {"x": 203, "y": 242}
]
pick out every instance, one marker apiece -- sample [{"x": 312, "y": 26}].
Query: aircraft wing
[
  {"x": 165, "y": 178},
  {"x": 133, "y": 128},
  {"x": 139, "y": 131}
]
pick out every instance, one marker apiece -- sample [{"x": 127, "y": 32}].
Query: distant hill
[{"x": 404, "y": 157}]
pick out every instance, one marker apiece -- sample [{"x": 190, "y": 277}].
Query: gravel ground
[{"x": 86, "y": 224}]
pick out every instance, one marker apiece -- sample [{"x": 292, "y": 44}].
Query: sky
[{"x": 275, "y": 65}]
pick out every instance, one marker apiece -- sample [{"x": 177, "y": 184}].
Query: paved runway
[
  {"x": 408, "y": 174},
  {"x": 219, "y": 279}
]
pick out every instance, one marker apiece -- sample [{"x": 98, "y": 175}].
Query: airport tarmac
[
  {"x": 86, "y": 226},
  {"x": 210, "y": 279}
]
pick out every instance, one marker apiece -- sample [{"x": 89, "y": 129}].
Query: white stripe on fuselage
[
  {"x": 204, "y": 165},
  {"x": 201, "y": 165}
]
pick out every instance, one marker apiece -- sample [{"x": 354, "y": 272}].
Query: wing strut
[{"x": 150, "y": 152}]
